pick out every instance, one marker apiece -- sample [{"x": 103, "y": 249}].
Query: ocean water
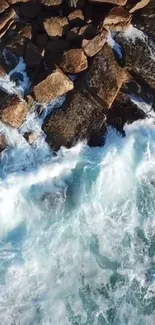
[{"x": 77, "y": 230}]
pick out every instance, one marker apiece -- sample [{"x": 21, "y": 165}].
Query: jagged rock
[
  {"x": 29, "y": 9},
  {"x": 26, "y": 32},
  {"x": 31, "y": 137},
  {"x": 145, "y": 19},
  {"x": 17, "y": 45},
  {"x": 117, "y": 19},
  {"x": 2, "y": 142},
  {"x": 13, "y": 110},
  {"x": 41, "y": 39},
  {"x": 93, "y": 46},
  {"x": 76, "y": 18},
  {"x": 32, "y": 55},
  {"x": 74, "y": 61},
  {"x": 56, "y": 26},
  {"x": 137, "y": 55},
  {"x": 104, "y": 77},
  {"x": 81, "y": 118},
  {"x": 115, "y": 2},
  {"x": 6, "y": 20},
  {"x": 51, "y": 2},
  {"x": 54, "y": 85},
  {"x": 3, "y": 6},
  {"x": 134, "y": 5}
]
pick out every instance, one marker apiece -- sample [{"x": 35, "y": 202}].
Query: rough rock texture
[
  {"x": 145, "y": 19},
  {"x": 56, "y": 26},
  {"x": 13, "y": 110},
  {"x": 74, "y": 61},
  {"x": 56, "y": 84},
  {"x": 2, "y": 142},
  {"x": 80, "y": 118},
  {"x": 117, "y": 19},
  {"x": 104, "y": 77},
  {"x": 3, "y": 6},
  {"x": 115, "y": 2},
  {"x": 5, "y": 19},
  {"x": 2, "y": 71},
  {"x": 93, "y": 46},
  {"x": 51, "y": 2},
  {"x": 138, "y": 56}
]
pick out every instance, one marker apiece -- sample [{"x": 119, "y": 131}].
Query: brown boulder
[
  {"x": 3, "y": 6},
  {"x": 76, "y": 18},
  {"x": 104, "y": 77},
  {"x": 115, "y": 2},
  {"x": 117, "y": 19},
  {"x": 51, "y": 2},
  {"x": 56, "y": 26},
  {"x": 81, "y": 118},
  {"x": 32, "y": 55},
  {"x": 13, "y": 110},
  {"x": 74, "y": 61},
  {"x": 54, "y": 85},
  {"x": 93, "y": 46}
]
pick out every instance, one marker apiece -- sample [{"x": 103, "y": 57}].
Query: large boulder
[
  {"x": 117, "y": 19},
  {"x": 56, "y": 26},
  {"x": 81, "y": 118},
  {"x": 138, "y": 53},
  {"x": 13, "y": 110},
  {"x": 104, "y": 77},
  {"x": 54, "y": 85},
  {"x": 92, "y": 46},
  {"x": 74, "y": 61}
]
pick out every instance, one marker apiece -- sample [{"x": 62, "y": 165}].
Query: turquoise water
[{"x": 77, "y": 232}]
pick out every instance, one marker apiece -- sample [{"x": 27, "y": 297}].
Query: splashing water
[{"x": 77, "y": 231}]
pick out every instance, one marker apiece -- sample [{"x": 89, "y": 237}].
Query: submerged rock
[
  {"x": 54, "y": 85},
  {"x": 13, "y": 110}
]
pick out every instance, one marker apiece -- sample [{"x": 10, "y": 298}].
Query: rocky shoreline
[{"x": 99, "y": 53}]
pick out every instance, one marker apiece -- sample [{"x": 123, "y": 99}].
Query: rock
[
  {"x": 117, "y": 19},
  {"x": 56, "y": 26},
  {"x": 5, "y": 20},
  {"x": 51, "y": 2},
  {"x": 115, "y": 2},
  {"x": 80, "y": 118},
  {"x": 54, "y": 85},
  {"x": 2, "y": 142},
  {"x": 145, "y": 19},
  {"x": 13, "y": 110},
  {"x": 93, "y": 46},
  {"x": 7, "y": 27},
  {"x": 3, "y": 6},
  {"x": 41, "y": 39},
  {"x": 77, "y": 34},
  {"x": 26, "y": 32},
  {"x": 2, "y": 72},
  {"x": 137, "y": 55},
  {"x": 11, "y": 2},
  {"x": 32, "y": 55},
  {"x": 104, "y": 77},
  {"x": 137, "y": 6},
  {"x": 30, "y": 101},
  {"x": 74, "y": 61},
  {"x": 123, "y": 111},
  {"x": 31, "y": 137},
  {"x": 54, "y": 51},
  {"x": 76, "y": 18},
  {"x": 29, "y": 9},
  {"x": 17, "y": 45}
]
